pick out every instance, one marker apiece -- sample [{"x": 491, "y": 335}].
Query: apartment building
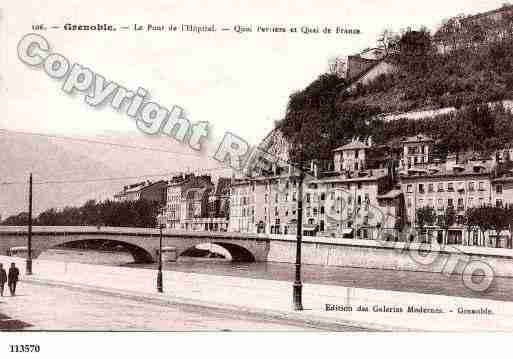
[
  {"x": 417, "y": 151},
  {"x": 194, "y": 203},
  {"x": 148, "y": 190},
  {"x": 454, "y": 185}
]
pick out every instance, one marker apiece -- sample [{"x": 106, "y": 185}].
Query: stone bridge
[{"x": 142, "y": 243}]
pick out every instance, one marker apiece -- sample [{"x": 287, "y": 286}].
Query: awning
[
  {"x": 308, "y": 228},
  {"x": 347, "y": 231}
]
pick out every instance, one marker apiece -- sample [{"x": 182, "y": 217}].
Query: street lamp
[
  {"x": 160, "y": 220},
  {"x": 28, "y": 269},
  {"x": 297, "y": 287}
]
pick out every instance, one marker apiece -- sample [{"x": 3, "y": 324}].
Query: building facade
[
  {"x": 195, "y": 203},
  {"x": 147, "y": 190}
]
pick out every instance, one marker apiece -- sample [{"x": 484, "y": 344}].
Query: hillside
[
  {"x": 433, "y": 80},
  {"x": 325, "y": 114}
]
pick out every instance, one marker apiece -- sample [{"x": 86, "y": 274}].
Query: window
[
  {"x": 409, "y": 188},
  {"x": 323, "y": 196},
  {"x": 265, "y": 198},
  {"x": 450, "y": 202},
  {"x": 498, "y": 188},
  {"x": 308, "y": 198},
  {"x": 322, "y": 209},
  {"x": 470, "y": 201},
  {"x": 332, "y": 196},
  {"x": 460, "y": 204},
  {"x": 430, "y": 187},
  {"x": 481, "y": 186},
  {"x": 421, "y": 187},
  {"x": 276, "y": 198},
  {"x": 409, "y": 202},
  {"x": 276, "y": 213},
  {"x": 441, "y": 187},
  {"x": 440, "y": 203},
  {"x": 498, "y": 202},
  {"x": 471, "y": 187},
  {"x": 450, "y": 187}
]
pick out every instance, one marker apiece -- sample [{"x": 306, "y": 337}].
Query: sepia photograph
[{"x": 276, "y": 167}]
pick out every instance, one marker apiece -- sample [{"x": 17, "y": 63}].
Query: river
[{"x": 406, "y": 281}]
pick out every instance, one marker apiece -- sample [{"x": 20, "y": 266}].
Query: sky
[{"x": 236, "y": 82}]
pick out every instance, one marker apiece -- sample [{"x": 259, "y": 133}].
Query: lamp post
[
  {"x": 28, "y": 269},
  {"x": 160, "y": 289},
  {"x": 297, "y": 287}
]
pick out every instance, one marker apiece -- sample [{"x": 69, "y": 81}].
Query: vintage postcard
[{"x": 178, "y": 166}]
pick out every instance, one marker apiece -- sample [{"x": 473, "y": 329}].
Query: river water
[{"x": 407, "y": 281}]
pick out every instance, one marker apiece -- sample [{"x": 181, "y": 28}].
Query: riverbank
[{"x": 332, "y": 305}]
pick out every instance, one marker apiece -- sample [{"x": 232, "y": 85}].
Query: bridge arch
[
  {"x": 140, "y": 254},
  {"x": 237, "y": 252}
]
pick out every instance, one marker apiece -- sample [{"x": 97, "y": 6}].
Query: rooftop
[
  {"x": 353, "y": 145},
  {"x": 417, "y": 138},
  {"x": 458, "y": 170}
]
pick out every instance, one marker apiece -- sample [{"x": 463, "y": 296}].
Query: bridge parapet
[{"x": 129, "y": 231}]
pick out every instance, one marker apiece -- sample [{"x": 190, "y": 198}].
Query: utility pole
[
  {"x": 160, "y": 287},
  {"x": 28, "y": 269},
  {"x": 297, "y": 286}
]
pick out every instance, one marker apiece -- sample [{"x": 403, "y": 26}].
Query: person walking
[
  {"x": 3, "y": 279},
  {"x": 13, "y": 278}
]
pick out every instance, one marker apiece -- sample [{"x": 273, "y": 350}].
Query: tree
[
  {"x": 509, "y": 218},
  {"x": 483, "y": 221},
  {"x": 425, "y": 216},
  {"x": 20, "y": 219},
  {"x": 446, "y": 220},
  {"x": 471, "y": 222},
  {"x": 414, "y": 50},
  {"x": 388, "y": 40},
  {"x": 499, "y": 221}
]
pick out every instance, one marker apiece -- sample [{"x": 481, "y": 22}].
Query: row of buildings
[
  {"x": 363, "y": 193},
  {"x": 187, "y": 201}
]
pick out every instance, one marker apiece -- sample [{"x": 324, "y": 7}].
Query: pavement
[
  {"x": 380, "y": 310},
  {"x": 53, "y": 307}
]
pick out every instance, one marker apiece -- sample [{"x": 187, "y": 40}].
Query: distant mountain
[{"x": 67, "y": 160}]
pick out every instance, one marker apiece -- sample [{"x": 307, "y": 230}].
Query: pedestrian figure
[
  {"x": 13, "y": 278},
  {"x": 3, "y": 279}
]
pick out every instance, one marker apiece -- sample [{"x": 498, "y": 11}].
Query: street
[{"x": 40, "y": 307}]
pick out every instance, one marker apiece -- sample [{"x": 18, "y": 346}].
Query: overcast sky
[{"x": 239, "y": 83}]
